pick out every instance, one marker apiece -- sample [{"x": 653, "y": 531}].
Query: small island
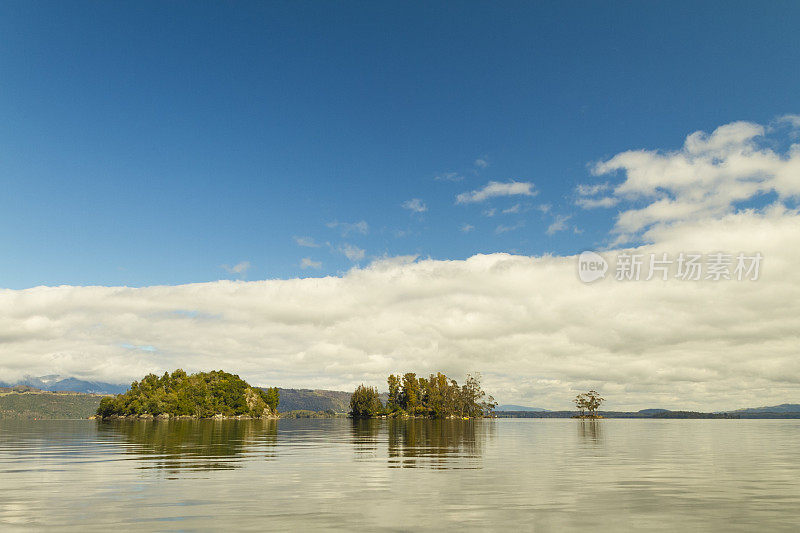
[
  {"x": 435, "y": 397},
  {"x": 214, "y": 394},
  {"x": 588, "y": 402}
]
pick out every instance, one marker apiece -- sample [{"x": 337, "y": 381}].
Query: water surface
[{"x": 337, "y": 474}]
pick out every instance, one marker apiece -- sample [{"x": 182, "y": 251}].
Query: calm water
[{"x": 542, "y": 475}]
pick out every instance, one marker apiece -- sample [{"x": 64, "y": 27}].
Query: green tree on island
[
  {"x": 435, "y": 397},
  {"x": 588, "y": 401},
  {"x": 365, "y": 402},
  {"x": 201, "y": 395}
]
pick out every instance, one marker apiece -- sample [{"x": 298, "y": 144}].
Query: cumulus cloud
[
  {"x": 793, "y": 120},
  {"x": 307, "y": 242},
  {"x": 449, "y": 176},
  {"x": 494, "y": 189},
  {"x": 348, "y": 228},
  {"x": 590, "y": 190},
  {"x": 503, "y": 228},
  {"x": 307, "y": 262},
  {"x": 708, "y": 177},
  {"x": 353, "y": 253},
  {"x": 587, "y": 196},
  {"x": 415, "y": 205},
  {"x": 591, "y": 203},
  {"x": 537, "y": 333},
  {"x": 558, "y": 224},
  {"x": 238, "y": 269}
]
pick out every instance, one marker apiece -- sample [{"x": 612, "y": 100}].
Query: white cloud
[
  {"x": 353, "y": 253},
  {"x": 793, "y": 120},
  {"x": 307, "y": 262},
  {"x": 449, "y": 176},
  {"x": 494, "y": 189},
  {"x": 489, "y": 212},
  {"x": 591, "y": 190},
  {"x": 506, "y": 228},
  {"x": 585, "y": 191},
  {"x": 513, "y": 209},
  {"x": 481, "y": 163},
  {"x": 239, "y": 269},
  {"x": 559, "y": 224},
  {"x": 591, "y": 203},
  {"x": 707, "y": 177},
  {"x": 466, "y": 228},
  {"x": 536, "y": 332},
  {"x": 348, "y": 228},
  {"x": 308, "y": 242},
  {"x": 415, "y": 205}
]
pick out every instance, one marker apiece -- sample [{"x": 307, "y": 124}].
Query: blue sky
[{"x": 153, "y": 143}]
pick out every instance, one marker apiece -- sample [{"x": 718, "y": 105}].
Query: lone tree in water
[{"x": 588, "y": 401}]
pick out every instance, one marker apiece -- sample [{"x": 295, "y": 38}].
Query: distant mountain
[
  {"x": 782, "y": 408},
  {"x": 313, "y": 400},
  {"x": 317, "y": 400},
  {"x": 28, "y": 404},
  {"x": 653, "y": 411},
  {"x": 512, "y": 407},
  {"x": 59, "y": 383}
]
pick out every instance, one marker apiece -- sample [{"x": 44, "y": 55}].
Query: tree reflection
[
  {"x": 591, "y": 431},
  {"x": 365, "y": 437},
  {"x": 437, "y": 444},
  {"x": 180, "y": 445}
]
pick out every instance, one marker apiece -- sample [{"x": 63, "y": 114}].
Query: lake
[{"x": 337, "y": 474}]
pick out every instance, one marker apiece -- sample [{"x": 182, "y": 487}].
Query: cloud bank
[{"x": 536, "y": 332}]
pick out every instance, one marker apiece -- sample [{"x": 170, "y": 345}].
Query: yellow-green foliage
[
  {"x": 202, "y": 395},
  {"x": 436, "y": 397}
]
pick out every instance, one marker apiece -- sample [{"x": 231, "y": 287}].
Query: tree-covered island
[
  {"x": 588, "y": 401},
  {"x": 214, "y": 394},
  {"x": 435, "y": 397}
]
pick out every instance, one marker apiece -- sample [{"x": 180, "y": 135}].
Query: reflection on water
[
  {"x": 338, "y": 474},
  {"x": 591, "y": 431},
  {"x": 176, "y": 445},
  {"x": 436, "y": 443},
  {"x": 422, "y": 443}
]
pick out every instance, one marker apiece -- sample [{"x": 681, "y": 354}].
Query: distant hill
[
  {"x": 782, "y": 408},
  {"x": 317, "y": 400},
  {"x": 59, "y": 383},
  {"x": 290, "y": 399},
  {"x": 645, "y": 413},
  {"x": 512, "y": 407},
  {"x": 34, "y": 405},
  {"x": 313, "y": 400},
  {"x": 652, "y": 411}
]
